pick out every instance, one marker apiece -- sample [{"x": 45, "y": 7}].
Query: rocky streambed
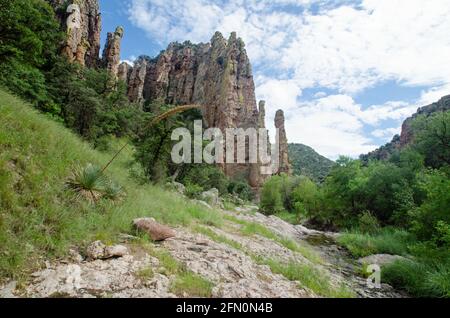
[{"x": 228, "y": 258}]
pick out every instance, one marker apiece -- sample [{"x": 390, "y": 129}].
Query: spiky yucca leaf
[{"x": 88, "y": 182}]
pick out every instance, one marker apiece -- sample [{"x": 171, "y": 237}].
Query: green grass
[
  {"x": 307, "y": 276},
  {"x": 145, "y": 273},
  {"x": 386, "y": 241},
  {"x": 418, "y": 279},
  {"x": 253, "y": 228},
  {"x": 184, "y": 281},
  {"x": 193, "y": 285},
  {"x": 289, "y": 217},
  {"x": 217, "y": 237},
  {"x": 427, "y": 275},
  {"x": 40, "y": 218}
]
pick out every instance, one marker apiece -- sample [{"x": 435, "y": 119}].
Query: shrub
[
  {"x": 242, "y": 189},
  {"x": 193, "y": 191},
  {"x": 306, "y": 198},
  {"x": 271, "y": 199},
  {"x": 367, "y": 223},
  {"x": 434, "y": 210}
]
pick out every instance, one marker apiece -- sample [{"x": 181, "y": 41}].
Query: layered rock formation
[
  {"x": 216, "y": 75},
  {"x": 283, "y": 152},
  {"x": 136, "y": 80},
  {"x": 111, "y": 52},
  {"x": 82, "y": 21},
  {"x": 124, "y": 72},
  {"x": 407, "y": 136}
]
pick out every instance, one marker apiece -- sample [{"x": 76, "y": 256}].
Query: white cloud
[
  {"x": 434, "y": 94},
  {"x": 348, "y": 47},
  {"x": 130, "y": 60},
  {"x": 333, "y": 125},
  {"x": 386, "y": 133}
]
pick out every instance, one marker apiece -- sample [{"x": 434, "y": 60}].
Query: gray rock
[
  {"x": 7, "y": 291},
  {"x": 74, "y": 256},
  {"x": 202, "y": 203},
  {"x": 96, "y": 250},
  {"x": 116, "y": 251},
  {"x": 211, "y": 197}
]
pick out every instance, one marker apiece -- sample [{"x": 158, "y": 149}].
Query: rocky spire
[
  {"x": 262, "y": 114},
  {"x": 284, "y": 165},
  {"x": 111, "y": 53},
  {"x": 82, "y": 21},
  {"x": 124, "y": 72},
  {"x": 137, "y": 80},
  {"x": 216, "y": 75}
]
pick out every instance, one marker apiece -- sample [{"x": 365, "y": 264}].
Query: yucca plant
[
  {"x": 113, "y": 191},
  {"x": 88, "y": 182}
]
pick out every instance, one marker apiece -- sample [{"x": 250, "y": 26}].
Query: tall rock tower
[
  {"x": 284, "y": 165},
  {"x": 111, "y": 52}
]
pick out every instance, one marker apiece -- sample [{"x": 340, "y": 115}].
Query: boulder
[
  {"x": 156, "y": 231},
  {"x": 211, "y": 197},
  {"x": 116, "y": 251},
  {"x": 176, "y": 186},
  {"x": 202, "y": 203},
  {"x": 98, "y": 250}
]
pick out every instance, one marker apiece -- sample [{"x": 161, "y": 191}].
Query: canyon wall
[{"x": 215, "y": 75}]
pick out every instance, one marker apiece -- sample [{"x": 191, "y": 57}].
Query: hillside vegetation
[
  {"x": 307, "y": 162},
  {"x": 396, "y": 206},
  {"x": 40, "y": 218}
]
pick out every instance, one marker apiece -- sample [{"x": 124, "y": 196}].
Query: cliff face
[
  {"x": 216, "y": 75},
  {"x": 82, "y": 21},
  {"x": 407, "y": 136}
]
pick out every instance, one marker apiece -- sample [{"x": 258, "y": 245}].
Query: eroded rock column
[
  {"x": 111, "y": 53},
  {"x": 284, "y": 165}
]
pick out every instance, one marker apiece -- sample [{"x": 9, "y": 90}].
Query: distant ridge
[
  {"x": 307, "y": 162},
  {"x": 406, "y": 136}
]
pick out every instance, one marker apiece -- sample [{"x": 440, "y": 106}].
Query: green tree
[
  {"x": 271, "y": 196},
  {"x": 436, "y": 206},
  {"x": 307, "y": 199},
  {"x": 432, "y": 139},
  {"x": 29, "y": 41}
]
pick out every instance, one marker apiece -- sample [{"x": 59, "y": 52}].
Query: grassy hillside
[
  {"x": 307, "y": 162},
  {"x": 40, "y": 218}
]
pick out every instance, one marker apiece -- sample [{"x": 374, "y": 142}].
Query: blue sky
[{"x": 346, "y": 72}]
